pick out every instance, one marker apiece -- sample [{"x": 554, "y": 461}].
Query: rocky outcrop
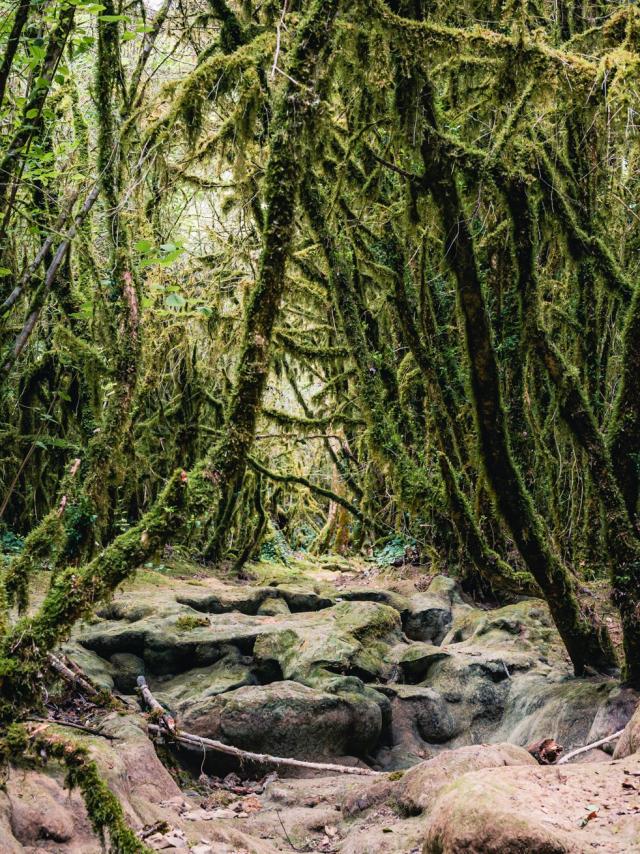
[
  {"x": 564, "y": 810},
  {"x": 433, "y": 670},
  {"x": 630, "y": 740},
  {"x": 287, "y": 719}
]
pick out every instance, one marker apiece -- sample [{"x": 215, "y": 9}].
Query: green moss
[
  {"x": 104, "y": 810},
  {"x": 187, "y": 623}
]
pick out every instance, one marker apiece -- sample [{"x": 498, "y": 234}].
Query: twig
[
  {"x": 279, "y": 26},
  {"x": 587, "y": 747},
  {"x": 88, "y": 729},
  {"x": 284, "y": 830},
  {"x": 197, "y": 742}
]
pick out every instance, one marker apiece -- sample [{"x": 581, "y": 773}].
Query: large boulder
[
  {"x": 630, "y": 741},
  {"x": 543, "y": 810},
  {"x": 287, "y": 719},
  {"x": 416, "y": 791},
  {"x": 351, "y": 638}
]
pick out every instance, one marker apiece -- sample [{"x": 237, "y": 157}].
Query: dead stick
[
  {"x": 69, "y": 676},
  {"x": 591, "y": 746},
  {"x": 73, "y": 725},
  {"x": 199, "y": 743},
  {"x": 154, "y": 706}
]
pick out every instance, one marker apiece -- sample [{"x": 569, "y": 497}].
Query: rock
[
  {"x": 418, "y": 787},
  {"x": 572, "y": 711},
  {"x": 231, "y": 672},
  {"x": 244, "y": 600},
  {"x": 415, "y": 660},
  {"x": 249, "y": 600},
  {"x": 629, "y": 742},
  {"x": 166, "y": 647},
  {"x": 287, "y": 719},
  {"x": 351, "y": 638},
  {"x": 613, "y": 715},
  {"x": 385, "y": 597},
  {"x": 273, "y": 607},
  {"x": 127, "y": 668},
  {"x": 541, "y": 810},
  {"x": 420, "y": 719},
  {"x": 99, "y": 671},
  {"x": 38, "y": 810},
  {"x": 428, "y": 618},
  {"x": 8, "y": 843},
  {"x": 300, "y": 599}
]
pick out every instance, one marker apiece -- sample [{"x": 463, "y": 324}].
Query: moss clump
[
  {"x": 186, "y": 623},
  {"x": 396, "y": 775}
]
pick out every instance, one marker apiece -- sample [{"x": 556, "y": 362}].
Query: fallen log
[
  {"x": 591, "y": 746},
  {"x": 197, "y": 742}
]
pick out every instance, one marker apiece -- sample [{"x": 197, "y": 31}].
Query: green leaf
[
  {"x": 5, "y": 271},
  {"x": 143, "y": 246},
  {"x": 128, "y": 36},
  {"x": 175, "y": 301},
  {"x": 112, "y": 19}
]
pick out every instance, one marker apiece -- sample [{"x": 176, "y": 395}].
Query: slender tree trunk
[
  {"x": 587, "y": 643},
  {"x": 622, "y": 540}
]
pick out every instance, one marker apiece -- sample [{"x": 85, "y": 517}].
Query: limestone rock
[
  {"x": 127, "y": 668},
  {"x": 429, "y": 617},
  {"x": 630, "y": 741},
  {"x": 287, "y": 719}
]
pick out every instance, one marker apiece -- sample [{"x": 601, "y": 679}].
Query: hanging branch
[{"x": 50, "y": 275}]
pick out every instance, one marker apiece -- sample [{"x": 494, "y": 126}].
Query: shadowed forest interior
[{"x": 317, "y": 283}]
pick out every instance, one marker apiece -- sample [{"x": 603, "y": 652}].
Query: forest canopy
[{"x": 330, "y": 276}]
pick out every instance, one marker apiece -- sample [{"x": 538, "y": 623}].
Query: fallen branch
[
  {"x": 591, "y": 746},
  {"x": 154, "y": 706},
  {"x": 69, "y": 676},
  {"x": 197, "y": 742}
]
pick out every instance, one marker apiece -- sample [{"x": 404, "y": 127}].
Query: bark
[
  {"x": 587, "y": 643},
  {"x": 19, "y": 21},
  {"x": 293, "y": 115},
  {"x": 23, "y": 135},
  {"x": 622, "y": 541}
]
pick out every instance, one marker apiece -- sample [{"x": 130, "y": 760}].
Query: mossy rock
[{"x": 287, "y": 719}]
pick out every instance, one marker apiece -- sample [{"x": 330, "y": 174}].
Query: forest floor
[{"x": 339, "y": 661}]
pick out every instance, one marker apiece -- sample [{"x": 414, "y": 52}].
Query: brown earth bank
[{"x": 333, "y": 661}]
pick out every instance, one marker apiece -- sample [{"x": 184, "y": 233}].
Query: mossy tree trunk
[
  {"x": 587, "y": 643},
  {"x": 622, "y": 540},
  {"x": 292, "y": 119}
]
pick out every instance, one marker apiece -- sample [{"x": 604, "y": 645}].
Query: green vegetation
[{"x": 323, "y": 278}]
